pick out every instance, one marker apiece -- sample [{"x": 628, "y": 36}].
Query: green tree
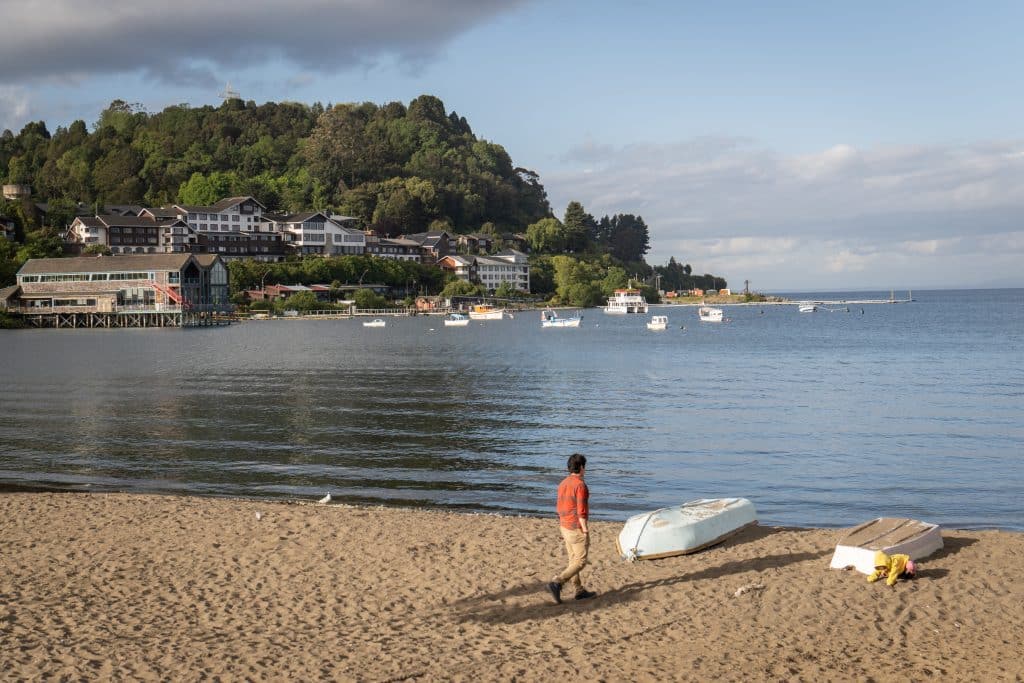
[
  {"x": 546, "y": 236},
  {"x": 578, "y": 227},
  {"x": 367, "y": 298}
]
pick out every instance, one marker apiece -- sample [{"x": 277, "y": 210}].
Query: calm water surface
[{"x": 824, "y": 419}]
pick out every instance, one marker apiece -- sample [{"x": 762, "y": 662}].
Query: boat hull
[
  {"x": 891, "y": 535},
  {"x": 561, "y": 322},
  {"x": 685, "y": 528},
  {"x": 456, "y": 323},
  {"x": 489, "y": 315}
]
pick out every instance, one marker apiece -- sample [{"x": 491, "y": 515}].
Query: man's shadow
[{"x": 483, "y": 608}]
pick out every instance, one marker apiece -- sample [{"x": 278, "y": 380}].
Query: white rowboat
[
  {"x": 891, "y": 535},
  {"x": 376, "y": 322},
  {"x": 685, "y": 528}
]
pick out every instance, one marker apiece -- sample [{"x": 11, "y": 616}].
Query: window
[
  {"x": 223, "y": 216},
  {"x": 236, "y": 218}
]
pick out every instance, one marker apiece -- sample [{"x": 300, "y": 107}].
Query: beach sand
[{"x": 100, "y": 586}]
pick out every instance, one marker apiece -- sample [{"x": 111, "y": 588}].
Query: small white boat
[
  {"x": 807, "y": 308},
  {"x": 376, "y": 322},
  {"x": 891, "y": 535},
  {"x": 658, "y": 322},
  {"x": 456, "y": 320},
  {"x": 685, "y": 528},
  {"x": 710, "y": 315},
  {"x": 626, "y": 301},
  {"x": 549, "y": 318},
  {"x": 486, "y": 312}
]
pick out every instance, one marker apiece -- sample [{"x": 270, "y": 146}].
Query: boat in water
[
  {"x": 626, "y": 301},
  {"x": 685, "y": 528},
  {"x": 456, "y": 320},
  {"x": 857, "y": 548},
  {"x": 549, "y": 318},
  {"x": 807, "y": 308},
  {"x": 487, "y": 312},
  {"x": 658, "y": 322},
  {"x": 710, "y": 315},
  {"x": 376, "y": 322}
]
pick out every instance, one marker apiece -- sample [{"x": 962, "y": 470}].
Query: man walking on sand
[{"x": 573, "y": 510}]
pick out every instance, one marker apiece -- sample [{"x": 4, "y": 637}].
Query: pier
[{"x": 134, "y": 317}]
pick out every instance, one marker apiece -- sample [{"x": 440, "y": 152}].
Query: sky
[{"x": 797, "y": 146}]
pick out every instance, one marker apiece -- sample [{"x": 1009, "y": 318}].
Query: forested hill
[{"x": 395, "y": 167}]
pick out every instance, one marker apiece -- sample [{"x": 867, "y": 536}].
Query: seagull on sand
[{"x": 325, "y": 500}]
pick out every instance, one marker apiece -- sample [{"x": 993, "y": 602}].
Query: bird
[{"x": 325, "y": 500}]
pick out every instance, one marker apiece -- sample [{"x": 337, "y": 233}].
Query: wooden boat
[
  {"x": 658, "y": 322},
  {"x": 376, "y": 322},
  {"x": 685, "y": 528},
  {"x": 487, "y": 312},
  {"x": 891, "y": 535}
]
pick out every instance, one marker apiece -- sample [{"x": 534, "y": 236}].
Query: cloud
[
  {"x": 185, "y": 41},
  {"x": 732, "y": 207},
  {"x": 15, "y": 105}
]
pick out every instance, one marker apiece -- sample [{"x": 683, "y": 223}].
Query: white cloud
[
  {"x": 842, "y": 217},
  {"x": 15, "y": 106},
  {"x": 187, "y": 40}
]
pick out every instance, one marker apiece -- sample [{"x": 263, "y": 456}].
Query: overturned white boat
[
  {"x": 857, "y": 548},
  {"x": 684, "y": 528}
]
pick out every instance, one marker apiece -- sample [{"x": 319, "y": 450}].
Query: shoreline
[
  {"x": 158, "y": 587},
  {"x": 341, "y": 502}
]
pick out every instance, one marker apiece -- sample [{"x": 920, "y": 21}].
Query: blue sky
[{"x": 798, "y": 145}]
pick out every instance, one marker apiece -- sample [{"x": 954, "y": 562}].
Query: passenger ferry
[{"x": 626, "y": 301}]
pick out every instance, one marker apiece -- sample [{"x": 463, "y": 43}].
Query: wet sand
[{"x": 100, "y": 586}]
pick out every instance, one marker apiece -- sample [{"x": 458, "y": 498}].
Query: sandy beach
[{"x": 101, "y": 586}]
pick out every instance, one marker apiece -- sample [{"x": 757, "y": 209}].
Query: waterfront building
[{"x": 108, "y": 284}]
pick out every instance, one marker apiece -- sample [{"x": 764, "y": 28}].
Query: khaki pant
[{"x": 577, "y": 544}]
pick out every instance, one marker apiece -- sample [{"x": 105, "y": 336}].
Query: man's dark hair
[{"x": 577, "y": 461}]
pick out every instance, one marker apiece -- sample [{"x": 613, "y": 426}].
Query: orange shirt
[{"x": 573, "y": 501}]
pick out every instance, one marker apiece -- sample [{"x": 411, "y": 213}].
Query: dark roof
[
  {"x": 163, "y": 212},
  {"x": 8, "y": 293},
  {"x": 206, "y": 260},
  {"x": 300, "y": 217},
  {"x": 222, "y": 205},
  {"x": 105, "y": 264}
]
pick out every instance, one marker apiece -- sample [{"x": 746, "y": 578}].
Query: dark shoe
[
  {"x": 556, "y": 591},
  {"x": 584, "y": 594}
]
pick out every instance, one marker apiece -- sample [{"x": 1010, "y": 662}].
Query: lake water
[{"x": 823, "y": 419}]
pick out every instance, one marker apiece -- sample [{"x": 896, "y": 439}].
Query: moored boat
[
  {"x": 807, "y": 308},
  {"x": 710, "y": 315},
  {"x": 626, "y": 301},
  {"x": 891, "y": 535},
  {"x": 549, "y": 318},
  {"x": 487, "y": 312},
  {"x": 685, "y": 528},
  {"x": 658, "y": 322},
  {"x": 376, "y": 322},
  {"x": 456, "y": 320}
]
